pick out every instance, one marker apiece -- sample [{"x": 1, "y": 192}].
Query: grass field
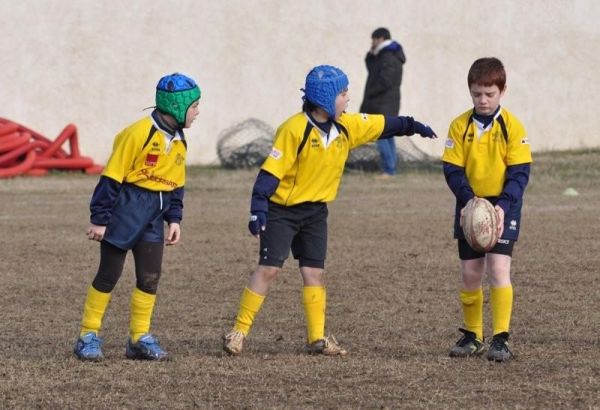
[{"x": 392, "y": 275}]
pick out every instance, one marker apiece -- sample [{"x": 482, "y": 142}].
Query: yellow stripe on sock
[
  {"x": 93, "y": 311},
  {"x": 501, "y": 300},
  {"x": 472, "y": 304},
  {"x": 142, "y": 305},
  {"x": 314, "y": 299},
  {"x": 250, "y": 304}
]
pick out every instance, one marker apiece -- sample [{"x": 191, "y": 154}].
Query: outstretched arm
[{"x": 396, "y": 126}]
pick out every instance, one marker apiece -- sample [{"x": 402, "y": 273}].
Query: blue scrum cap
[{"x": 323, "y": 84}]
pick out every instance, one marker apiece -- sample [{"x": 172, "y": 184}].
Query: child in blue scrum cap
[{"x": 288, "y": 208}]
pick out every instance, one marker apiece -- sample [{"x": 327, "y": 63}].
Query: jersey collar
[
  {"x": 169, "y": 133},
  {"x": 327, "y": 137},
  {"x": 484, "y": 122}
]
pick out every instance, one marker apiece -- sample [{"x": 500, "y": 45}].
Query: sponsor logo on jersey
[
  {"x": 275, "y": 153},
  {"x": 504, "y": 241},
  {"x": 449, "y": 143},
  {"x": 179, "y": 159},
  {"x": 513, "y": 225},
  {"x": 149, "y": 175},
  {"x": 151, "y": 160},
  {"x": 314, "y": 142}
]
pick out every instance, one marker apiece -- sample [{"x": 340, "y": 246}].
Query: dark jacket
[{"x": 382, "y": 91}]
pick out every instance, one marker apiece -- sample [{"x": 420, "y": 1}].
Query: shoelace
[
  {"x": 465, "y": 340},
  {"x": 155, "y": 349},
  {"x": 153, "y": 344},
  {"x": 331, "y": 340},
  {"x": 94, "y": 343},
  {"x": 498, "y": 344},
  {"x": 237, "y": 335}
]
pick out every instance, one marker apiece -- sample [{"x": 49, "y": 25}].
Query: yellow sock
[
  {"x": 501, "y": 300},
  {"x": 472, "y": 303},
  {"x": 142, "y": 305},
  {"x": 93, "y": 311},
  {"x": 314, "y": 299},
  {"x": 250, "y": 304}
]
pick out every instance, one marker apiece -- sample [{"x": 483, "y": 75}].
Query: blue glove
[
  {"x": 264, "y": 187},
  {"x": 257, "y": 223},
  {"x": 424, "y": 130}
]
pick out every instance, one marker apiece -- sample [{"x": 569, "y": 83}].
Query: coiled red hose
[{"x": 27, "y": 152}]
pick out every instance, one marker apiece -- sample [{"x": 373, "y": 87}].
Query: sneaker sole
[
  {"x": 135, "y": 356},
  {"x": 499, "y": 359},
  {"x": 312, "y": 352},
  {"x": 89, "y": 359},
  {"x": 148, "y": 359},
  {"x": 341, "y": 354},
  {"x": 231, "y": 352}
]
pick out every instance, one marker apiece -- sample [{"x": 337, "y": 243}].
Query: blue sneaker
[
  {"x": 88, "y": 347},
  {"x": 146, "y": 348}
]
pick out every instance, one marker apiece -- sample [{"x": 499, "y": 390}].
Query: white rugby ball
[{"x": 480, "y": 224}]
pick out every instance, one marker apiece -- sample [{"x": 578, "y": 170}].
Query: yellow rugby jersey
[
  {"x": 157, "y": 166},
  {"x": 486, "y": 153},
  {"x": 314, "y": 174}
]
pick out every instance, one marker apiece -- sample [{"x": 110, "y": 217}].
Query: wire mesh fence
[{"x": 248, "y": 143}]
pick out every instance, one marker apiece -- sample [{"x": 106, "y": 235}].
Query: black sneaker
[
  {"x": 146, "y": 348},
  {"x": 467, "y": 345},
  {"x": 498, "y": 350}
]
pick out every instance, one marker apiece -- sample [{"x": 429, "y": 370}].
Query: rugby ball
[{"x": 480, "y": 224}]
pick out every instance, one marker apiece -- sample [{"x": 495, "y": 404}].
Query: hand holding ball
[{"x": 479, "y": 222}]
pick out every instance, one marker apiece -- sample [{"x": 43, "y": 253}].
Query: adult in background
[{"x": 382, "y": 91}]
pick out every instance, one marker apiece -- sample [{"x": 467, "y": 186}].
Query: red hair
[{"x": 487, "y": 71}]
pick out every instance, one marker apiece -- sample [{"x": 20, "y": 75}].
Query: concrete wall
[{"x": 96, "y": 63}]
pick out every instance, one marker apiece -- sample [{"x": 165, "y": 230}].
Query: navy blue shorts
[
  {"x": 502, "y": 247},
  {"x": 137, "y": 216},
  {"x": 301, "y": 228}
]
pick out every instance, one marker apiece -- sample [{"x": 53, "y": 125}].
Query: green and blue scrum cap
[{"x": 175, "y": 93}]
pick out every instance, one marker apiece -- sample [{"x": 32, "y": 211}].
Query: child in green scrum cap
[{"x": 141, "y": 188}]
